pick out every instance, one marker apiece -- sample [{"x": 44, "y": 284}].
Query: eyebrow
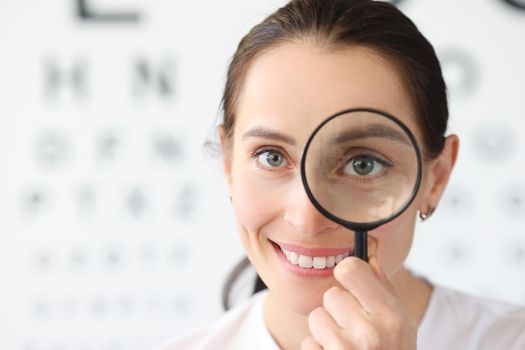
[
  {"x": 372, "y": 130},
  {"x": 267, "y": 133}
]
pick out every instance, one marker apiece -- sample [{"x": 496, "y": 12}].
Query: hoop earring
[{"x": 425, "y": 216}]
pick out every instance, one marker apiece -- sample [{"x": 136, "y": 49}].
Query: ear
[
  {"x": 226, "y": 155},
  {"x": 439, "y": 174}
]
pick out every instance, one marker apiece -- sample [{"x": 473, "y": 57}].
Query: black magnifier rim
[{"x": 362, "y": 226}]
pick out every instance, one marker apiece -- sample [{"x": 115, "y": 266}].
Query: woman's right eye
[{"x": 271, "y": 159}]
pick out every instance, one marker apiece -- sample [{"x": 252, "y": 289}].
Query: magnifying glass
[{"x": 361, "y": 168}]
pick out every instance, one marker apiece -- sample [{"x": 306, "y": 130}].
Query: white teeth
[
  {"x": 317, "y": 262},
  {"x": 305, "y": 261},
  {"x": 294, "y": 258}
]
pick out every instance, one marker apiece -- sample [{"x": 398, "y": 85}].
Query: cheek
[
  {"x": 394, "y": 240},
  {"x": 254, "y": 203}
]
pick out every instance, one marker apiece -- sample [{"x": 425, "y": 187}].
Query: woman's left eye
[
  {"x": 364, "y": 166},
  {"x": 272, "y": 159}
]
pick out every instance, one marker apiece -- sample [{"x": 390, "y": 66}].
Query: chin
[
  {"x": 304, "y": 305},
  {"x": 301, "y": 298}
]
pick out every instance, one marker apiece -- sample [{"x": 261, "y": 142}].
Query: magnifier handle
[{"x": 361, "y": 245}]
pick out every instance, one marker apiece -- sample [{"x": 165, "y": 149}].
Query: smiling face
[{"x": 288, "y": 91}]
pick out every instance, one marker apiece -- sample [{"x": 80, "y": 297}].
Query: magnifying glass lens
[{"x": 362, "y": 167}]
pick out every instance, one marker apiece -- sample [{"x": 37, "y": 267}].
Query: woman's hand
[{"x": 364, "y": 313}]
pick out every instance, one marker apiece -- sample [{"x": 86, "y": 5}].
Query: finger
[
  {"x": 310, "y": 344},
  {"x": 343, "y": 307},
  {"x": 324, "y": 329},
  {"x": 358, "y": 277}
]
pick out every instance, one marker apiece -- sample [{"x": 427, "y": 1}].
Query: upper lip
[{"x": 314, "y": 251}]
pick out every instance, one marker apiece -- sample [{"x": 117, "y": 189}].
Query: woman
[{"x": 308, "y": 60}]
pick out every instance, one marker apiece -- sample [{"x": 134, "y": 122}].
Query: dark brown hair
[{"x": 340, "y": 24}]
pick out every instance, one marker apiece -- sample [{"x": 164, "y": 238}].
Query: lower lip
[{"x": 301, "y": 271}]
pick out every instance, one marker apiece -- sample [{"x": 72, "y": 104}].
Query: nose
[{"x": 302, "y": 215}]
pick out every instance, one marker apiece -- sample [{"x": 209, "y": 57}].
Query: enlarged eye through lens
[
  {"x": 365, "y": 165},
  {"x": 361, "y": 168}
]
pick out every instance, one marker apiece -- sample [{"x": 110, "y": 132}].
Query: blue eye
[
  {"x": 271, "y": 159},
  {"x": 364, "y": 165}
]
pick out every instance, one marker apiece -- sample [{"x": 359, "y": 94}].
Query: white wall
[{"x": 116, "y": 231}]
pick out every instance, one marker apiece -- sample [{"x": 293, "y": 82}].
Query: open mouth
[{"x": 317, "y": 262}]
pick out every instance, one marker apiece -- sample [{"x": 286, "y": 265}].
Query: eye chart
[{"x": 116, "y": 229}]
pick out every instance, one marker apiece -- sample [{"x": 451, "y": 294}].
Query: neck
[{"x": 289, "y": 328}]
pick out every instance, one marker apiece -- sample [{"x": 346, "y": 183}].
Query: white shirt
[{"x": 453, "y": 320}]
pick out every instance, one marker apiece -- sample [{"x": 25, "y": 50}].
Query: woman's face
[{"x": 287, "y": 92}]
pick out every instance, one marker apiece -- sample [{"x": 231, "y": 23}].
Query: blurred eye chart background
[{"x": 115, "y": 227}]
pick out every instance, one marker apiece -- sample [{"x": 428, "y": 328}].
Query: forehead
[{"x": 295, "y": 86}]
